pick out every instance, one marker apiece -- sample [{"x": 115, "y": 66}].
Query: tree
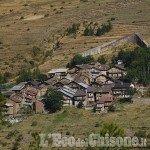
[
  {"x": 112, "y": 129},
  {"x": 91, "y": 31},
  {"x": 80, "y": 104},
  {"x": 2, "y": 103},
  {"x": 101, "y": 60},
  {"x": 130, "y": 91},
  {"x": 1, "y": 78},
  {"x": 114, "y": 60},
  {"x": 99, "y": 32},
  {"x": 86, "y": 31},
  {"x": 54, "y": 100},
  {"x": 78, "y": 60},
  {"x": 6, "y": 76},
  {"x": 24, "y": 76}
]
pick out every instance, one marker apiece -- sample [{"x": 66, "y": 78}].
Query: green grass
[{"x": 78, "y": 123}]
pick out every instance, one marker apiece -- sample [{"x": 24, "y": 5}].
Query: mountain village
[{"x": 93, "y": 84}]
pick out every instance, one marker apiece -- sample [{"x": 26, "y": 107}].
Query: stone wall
[{"x": 132, "y": 38}]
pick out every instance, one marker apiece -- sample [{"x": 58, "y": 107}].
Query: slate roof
[
  {"x": 83, "y": 85},
  {"x": 106, "y": 88},
  {"x": 19, "y": 86},
  {"x": 80, "y": 93},
  {"x": 15, "y": 100},
  {"x": 52, "y": 81},
  {"x": 109, "y": 78},
  {"x": 121, "y": 85},
  {"x": 90, "y": 89},
  {"x": 121, "y": 66},
  {"x": 84, "y": 66},
  {"x": 68, "y": 91}
]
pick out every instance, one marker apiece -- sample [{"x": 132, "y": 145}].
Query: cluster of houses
[{"x": 93, "y": 84}]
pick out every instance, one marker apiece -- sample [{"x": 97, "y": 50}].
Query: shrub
[
  {"x": 78, "y": 60},
  {"x": 36, "y": 51},
  {"x": 67, "y": 133},
  {"x": 21, "y": 17},
  {"x": 32, "y": 63},
  {"x": 102, "y": 60},
  {"x": 34, "y": 123},
  {"x": 112, "y": 108},
  {"x": 19, "y": 138},
  {"x": 46, "y": 15},
  {"x": 148, "y": 136},
  {"x": 83, "y": 0},
  {"x": 140, "y": 133},
  {"x": 80, "y": 104},
  {"x": 112, "y": 19},
  {"x": 125, "y": 100},
  {"x": 97, "y": 124},
  {"x": 73, "y": 29},
  {"x": 11, "y": 134}
]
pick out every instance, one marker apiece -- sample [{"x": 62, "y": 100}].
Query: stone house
[
  {"x": 104, "y": 103},
  {"x": 80, "y": 96},
  {"x": 59, "y": 73},
  {"x": 83, "y": 68},
  {"x": 16, "y": 105},
  {"x": 90, "y": 95},
  {"x": 119, "y": 89},
  {"x": 117, "y": 71},
  {"x": 8, "y": 110},
  {"x": 68, "y": 94}
]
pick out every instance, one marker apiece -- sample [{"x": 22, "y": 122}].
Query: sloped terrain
[{"x": 43, "y": 23}]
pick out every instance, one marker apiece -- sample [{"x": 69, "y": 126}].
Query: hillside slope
[{"x": 42, "y": 24}]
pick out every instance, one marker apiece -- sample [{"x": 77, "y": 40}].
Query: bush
[
  {"x": 78, "y": 60},
  {"x": 36, "y": 51},
  {"x": 97, "y": 124},
  {"x": 34, "y": 123},
  {"x": 112, "y": 108},
  {"x": 46, "y": 15},
  {"x": 32, "y": 63},
  {"x": 11, "y": 134},
  {"x": 67, "y": 133},
  {"x": 73, "y": 29},
  {"x": 148, "y": 136},
  {"x": 83, "y": 0},
  {"x": 80, "y": 105},
  {"x": 140, "y": 133},
  {"x": 102, "y": 60},
  {"x": 125, "y": 100}
]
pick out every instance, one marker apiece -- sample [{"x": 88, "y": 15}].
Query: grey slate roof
[
  {"x": 19, "y": 86},
  {"x": 90, "y": 89},
  {"x": 84, "y": 66},
  {"x": 15, "y": 100},
  {"x": 68, "y": 91},
  {"x": 80, "y": 93},
  {"x": 106, "y": 88},
  {"x": 121, "y": 85}
]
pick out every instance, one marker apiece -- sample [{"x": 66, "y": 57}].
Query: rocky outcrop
[{"x": 132, "y": 38}]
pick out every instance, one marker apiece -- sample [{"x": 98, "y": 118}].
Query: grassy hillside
[
  {"x": 76, "y": 122},
  {"x": 42, "y": 24}
]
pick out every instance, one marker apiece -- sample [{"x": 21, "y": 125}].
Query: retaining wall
[{"x": 132, "y": 38}]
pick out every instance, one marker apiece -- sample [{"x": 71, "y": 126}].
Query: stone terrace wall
[{"x": 132, "y": 38}]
